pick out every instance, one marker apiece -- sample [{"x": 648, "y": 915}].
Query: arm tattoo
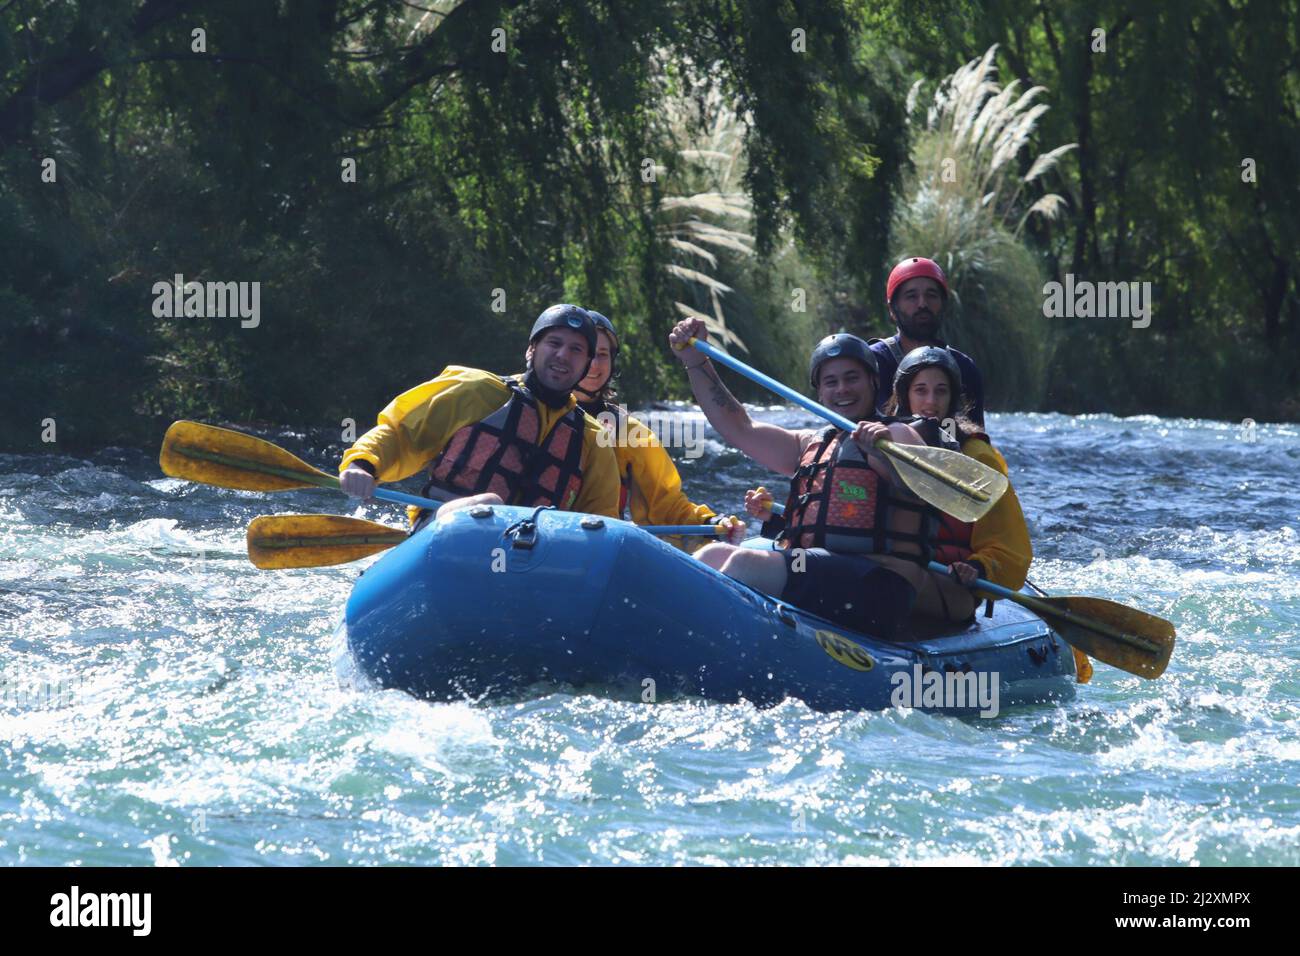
[{"x": 718, "y": 392}]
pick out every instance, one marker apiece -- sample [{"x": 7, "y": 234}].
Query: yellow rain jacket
[
  {"x": 655, "y": 493},
  {"x": 1000, "y": 540},
  {"x": 418, "y": 424}
]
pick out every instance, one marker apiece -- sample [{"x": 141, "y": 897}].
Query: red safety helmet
[{"x": 913, "y": 268}]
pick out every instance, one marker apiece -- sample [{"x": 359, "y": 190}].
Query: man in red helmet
[{"x": 916, "y": 295}]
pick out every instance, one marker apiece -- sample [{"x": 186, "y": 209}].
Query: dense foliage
[{"x": 740, "y": 159}]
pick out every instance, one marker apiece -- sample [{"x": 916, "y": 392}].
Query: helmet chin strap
[{"x": 591, "y": 396}]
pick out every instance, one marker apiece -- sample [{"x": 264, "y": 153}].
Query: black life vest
[
  {"x": 838, "y": 502},
  {"x": 501, "y": 454}
]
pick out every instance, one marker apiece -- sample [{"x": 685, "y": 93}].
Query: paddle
[
  {"x": 315, "y": 541},
  {"x": 950, "y": 481},
  {"x": 230, "y": 459},
  {"x": 1113, "y": 633}
]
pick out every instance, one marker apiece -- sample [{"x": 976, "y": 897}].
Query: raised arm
[{"x": 771, "y": 446}]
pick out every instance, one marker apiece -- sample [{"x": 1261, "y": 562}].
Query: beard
[
  {"x": 921, "y": 326},
  {"x": 557, "y": 394}
]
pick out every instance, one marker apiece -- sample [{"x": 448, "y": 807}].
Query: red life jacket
[
  {"x": 501, "y": 454},
  {"x": 838, "y": 502},
  {"x": 952, "y": 539}
]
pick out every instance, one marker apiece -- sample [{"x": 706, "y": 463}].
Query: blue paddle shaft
[
  {"x": 839, "y": 421},
  {"x": 680, "y": 529},
  {"x": 983, "y": 585},
  {"x": 405, "y": 499}
]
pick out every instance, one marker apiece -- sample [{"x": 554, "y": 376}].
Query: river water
[{"x": 163, "y": 702}]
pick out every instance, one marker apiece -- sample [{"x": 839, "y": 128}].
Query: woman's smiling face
[
  {"x": 930, "y": 394},
  {"x": 598, "y": 374}
]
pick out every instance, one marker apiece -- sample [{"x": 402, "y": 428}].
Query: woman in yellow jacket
[
  {"x": 651, "y": 490},
  {"x": 996, "y": 547}
]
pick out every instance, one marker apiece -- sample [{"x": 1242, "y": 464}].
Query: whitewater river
[{"x": 163, "y": 702}]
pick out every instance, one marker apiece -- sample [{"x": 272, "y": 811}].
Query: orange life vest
[
  {"x": 501, "y": 454},
  {"x": 838, "y": 502}
]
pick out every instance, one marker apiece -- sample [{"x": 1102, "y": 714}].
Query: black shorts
[{"x": 849, "y": 589}]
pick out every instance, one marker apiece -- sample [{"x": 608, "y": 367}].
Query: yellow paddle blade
[
  {"x": 954, "y": 483},
  {"x": 230, "y": 459},
  {"x": 1113, "y": 633},
  {"x": 315, "y": 541}
]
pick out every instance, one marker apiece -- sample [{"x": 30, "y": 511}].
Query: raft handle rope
[{"x": 524, "y": 531}]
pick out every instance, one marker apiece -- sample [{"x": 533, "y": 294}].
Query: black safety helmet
[
  {"x": 930, "y": 356},
  {"x": 841, "y": 345},
  {"x": 567, "y": 317},
  {"x": 927, "y": 357},
  {"x": 604, "y": 323}
]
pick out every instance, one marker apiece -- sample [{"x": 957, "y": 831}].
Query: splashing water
[{"x": 164, "y": 703}]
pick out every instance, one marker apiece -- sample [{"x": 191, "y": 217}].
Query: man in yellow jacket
[
  {"x": 498, "y": 440},
  {"x": 651, "y": 488}
]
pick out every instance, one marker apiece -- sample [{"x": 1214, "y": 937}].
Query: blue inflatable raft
[{"x": 496, "y": 601}]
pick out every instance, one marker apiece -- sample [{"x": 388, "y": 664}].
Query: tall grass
[
  {"x": 702, "y": 217},
  {"x": 770, "y": 308},
  {"x": 965, "y": 205}
]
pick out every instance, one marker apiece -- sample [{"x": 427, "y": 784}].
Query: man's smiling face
[
  {"x": 559, "y": 358},
  {"x": 845, "y": 385}
]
